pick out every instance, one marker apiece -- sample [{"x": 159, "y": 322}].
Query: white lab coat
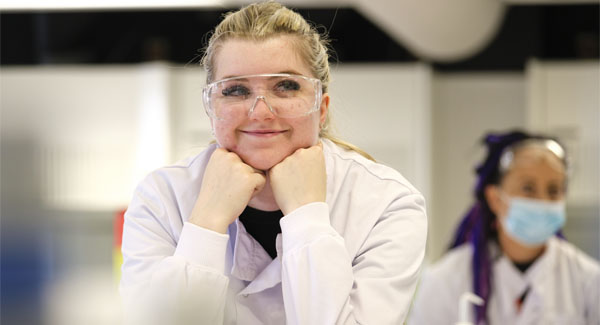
[
  {"x": 352, "y": 260},
  {"x": 563, "y": 283}
]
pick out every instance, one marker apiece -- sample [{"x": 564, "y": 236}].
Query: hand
[
  {"x": 299, "y": 179},
  {"x": 227, "y": 186}
]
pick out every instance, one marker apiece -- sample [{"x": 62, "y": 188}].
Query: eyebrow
[
  {"x": 281, "y": 72},
  {"x": 292, "y": 72}
]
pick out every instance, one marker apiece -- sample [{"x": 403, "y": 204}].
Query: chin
[{"x": 262, "y": 163}]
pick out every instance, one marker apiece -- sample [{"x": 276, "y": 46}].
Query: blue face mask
[{"x": 532, "y": 222}]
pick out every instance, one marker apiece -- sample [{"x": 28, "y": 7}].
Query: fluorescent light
[
  {"x": 104, "y": 4},
  {"x": 548, "y": 2}
]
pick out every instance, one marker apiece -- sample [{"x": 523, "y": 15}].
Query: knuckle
[
  {"x": 231, "y": 156},
  {"x": 275, "y": 170}
]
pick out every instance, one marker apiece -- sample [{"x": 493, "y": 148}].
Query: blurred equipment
[{"x": 464, "y": 304}]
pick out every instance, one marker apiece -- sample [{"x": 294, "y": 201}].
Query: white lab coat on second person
[
  {"x": 352, "y": 260},
  {"x": 563, "y": 284}
]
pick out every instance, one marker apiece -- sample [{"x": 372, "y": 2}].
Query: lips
[{"x": 263, "y": 132}]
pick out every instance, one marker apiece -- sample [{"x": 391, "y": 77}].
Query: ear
[
  {"x": 494, "y": 199},
  {"x": 324, "y": 108}
]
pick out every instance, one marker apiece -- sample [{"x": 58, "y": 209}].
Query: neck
[
  {"x": 516, "y": 251},
  {"x": 264, "y": 200}
]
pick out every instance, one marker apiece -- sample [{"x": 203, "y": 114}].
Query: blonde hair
[{"x": 260, "y": 21}]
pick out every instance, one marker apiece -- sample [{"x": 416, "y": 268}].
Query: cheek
[
  {"x": 308, "y": 130},
  {"x": 224, "y": 133},
  {"x": 502, "y": 210},
  {"x": 495, "y": 202},
  {"x": 501, "y": 214}
]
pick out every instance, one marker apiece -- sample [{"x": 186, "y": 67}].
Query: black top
[
  {"x": 524, "y": 265},
  {"x": 263, "y": 226}
]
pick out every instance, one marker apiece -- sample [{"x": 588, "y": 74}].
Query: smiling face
[{"x": 260, "y": 138}]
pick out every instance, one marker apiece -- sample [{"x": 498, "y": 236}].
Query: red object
[
  {"x": 118, "y": 228},
  {"x": 117, "y": 240}
]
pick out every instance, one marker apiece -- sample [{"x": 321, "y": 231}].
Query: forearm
[
  {"x": 189, "y": 283},
  {"x": 316, "y": 269},
  {"x": 323, "y": 283}
]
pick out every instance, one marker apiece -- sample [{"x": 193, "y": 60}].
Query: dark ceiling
[{"x": 103, "y": 37}]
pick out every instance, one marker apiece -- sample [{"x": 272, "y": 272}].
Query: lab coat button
[{"x": 245, "y": 295}]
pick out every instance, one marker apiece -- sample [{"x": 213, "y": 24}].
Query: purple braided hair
[{"x": 478, "y": 226}]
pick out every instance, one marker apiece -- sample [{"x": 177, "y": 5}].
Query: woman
[
  {"x": 508, "y": 249},
  {"x": 278, "y": 222}
]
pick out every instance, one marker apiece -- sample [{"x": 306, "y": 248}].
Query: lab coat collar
[
  {"x": 268, "y": 278},
  {"x": 251, "y": 262},
  {"x": 517, "y": 282},
  {"x": 537, "y": 271},
  {"x": 514, "y": 283},
  {"x": 538, "y": 274},
  {"x": 329, "y": 149}
]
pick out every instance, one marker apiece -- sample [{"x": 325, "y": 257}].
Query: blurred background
[{"x": 94, "y": 95}]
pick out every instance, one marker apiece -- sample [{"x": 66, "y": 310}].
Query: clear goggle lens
[{"x": 285, "y": 95}]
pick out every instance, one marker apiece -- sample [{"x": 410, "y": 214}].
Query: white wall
[
  {"x": 191, "y": 131},
  {"x": 385, "y": 110},
  {"x": 465, "y": 107},
  {"x": 564, "y": 100},
  {"x": 94, "y": 131}
]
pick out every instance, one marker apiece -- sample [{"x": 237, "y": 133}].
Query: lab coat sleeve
[
  {"x": 322, "y": 284},
  {"x": 168, "y": 280}
]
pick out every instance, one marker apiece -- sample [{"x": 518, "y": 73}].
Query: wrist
[
  {"x": 214, "y": 224},
  {"x": 296, "y": 205}
]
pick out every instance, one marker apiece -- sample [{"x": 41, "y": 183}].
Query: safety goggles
[{"x": 286, "y": 95}]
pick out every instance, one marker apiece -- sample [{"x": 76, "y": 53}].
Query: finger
[
  {"x": 221, "y": 150},
  {"x": 222, "y": 155},
  {"x": 251, "y": 169},
  {"x": 231, "y": 157},
  {"x": 259, "y": 182},
  {"x": 258, "y": 171}
]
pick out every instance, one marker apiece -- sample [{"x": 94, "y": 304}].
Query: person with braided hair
[
  {"x": 509, "y": 249},
  {"x": 277, "y": 221}
]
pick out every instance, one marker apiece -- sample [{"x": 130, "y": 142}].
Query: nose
[{"x": 261, "y": 109}]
